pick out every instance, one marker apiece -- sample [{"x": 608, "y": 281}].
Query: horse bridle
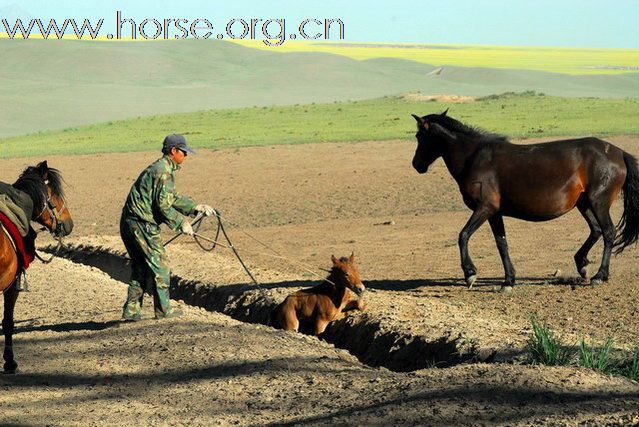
[{"x": 55, "y": 231}]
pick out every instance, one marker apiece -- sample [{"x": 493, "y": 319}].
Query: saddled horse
[
  {"x": 44, "y": 186},
  {"x": 535, "y": 182}
]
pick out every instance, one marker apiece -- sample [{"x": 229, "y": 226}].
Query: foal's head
[{"x": 346, "y": 274}]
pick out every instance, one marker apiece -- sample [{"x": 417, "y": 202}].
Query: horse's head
[
  {"x": 346, "y": 274},
  {"x": 44, "y": 186},
  {"x": 431, "y": 138}
]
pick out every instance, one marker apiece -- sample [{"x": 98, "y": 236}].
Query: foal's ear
[
  {"x": 335, "y": 260},
  {"x": 445, "y": 113},
  {"x": 440, "y": 130},
  {"x": 351, "y": 258}
]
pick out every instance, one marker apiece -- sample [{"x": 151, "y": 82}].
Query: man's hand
[
  {"x": 205, "y": 209},
  {"x": 186, "y": 228}
]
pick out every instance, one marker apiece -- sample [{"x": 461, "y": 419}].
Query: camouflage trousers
[{"x": 149, "y": 267}]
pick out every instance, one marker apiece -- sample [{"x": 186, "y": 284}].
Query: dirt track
[{"x": 309, "y": 202}]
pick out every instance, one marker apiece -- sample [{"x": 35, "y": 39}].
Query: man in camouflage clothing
[{"x": 151, "y": 202}]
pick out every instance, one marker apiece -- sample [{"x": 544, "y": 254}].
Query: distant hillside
[{"x": 59, "y": 84}]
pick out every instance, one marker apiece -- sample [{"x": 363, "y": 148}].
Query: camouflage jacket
[{"x": 153, "y": 198}]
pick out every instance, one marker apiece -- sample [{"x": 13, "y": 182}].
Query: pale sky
[{"x": 579, "y": 23}]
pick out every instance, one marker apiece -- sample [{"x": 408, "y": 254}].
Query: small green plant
[
  {"x": 597, "y": 360},
  {"x": 631, "y": 370},
  {"x": 546, "y": 348}
]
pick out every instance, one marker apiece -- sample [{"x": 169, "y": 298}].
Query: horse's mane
[
  {"x": 32, "y": 183},
  {"x": 470, "y": 131}
]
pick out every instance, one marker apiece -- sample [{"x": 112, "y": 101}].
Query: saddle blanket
[{"x": 25, "y": 246}]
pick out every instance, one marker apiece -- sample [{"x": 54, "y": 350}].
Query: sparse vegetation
[
  {"x": 632, "y": 366},
  {"x": 597, "y": 359},
  {"x": 546, "y": 348}
]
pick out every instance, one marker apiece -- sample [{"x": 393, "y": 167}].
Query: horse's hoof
[
  {"x": 10, "y": 369},
  {"x": 583, "y": 272},
  {"x": 470, "y": 281},
  {"x": 506, "y": 289},
  {"x": 596, "y": 282}
]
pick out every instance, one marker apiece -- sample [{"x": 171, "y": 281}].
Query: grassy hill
[
  {"x": 516, "y": 115},
  {"x": 564, "y": 60},
  {"x": 60, "y": 84}
]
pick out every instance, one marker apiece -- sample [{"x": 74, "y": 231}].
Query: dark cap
[{"x": 178, "y": 141}]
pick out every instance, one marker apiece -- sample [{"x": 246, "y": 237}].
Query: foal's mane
[
  {"x": 30, "y": 181},
  {"x": 469, "y": 131},
  {"x": 335, "y": 269}
]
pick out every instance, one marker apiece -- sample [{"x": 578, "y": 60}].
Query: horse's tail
[{"x": 628, "y": 227}]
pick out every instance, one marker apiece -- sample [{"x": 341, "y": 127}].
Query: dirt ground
[{"x": 81, "y": 366}]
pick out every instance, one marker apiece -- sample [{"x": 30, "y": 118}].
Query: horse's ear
[
  {"x": 440, "y": 130},
  {"x": 445, "y": 113},
  {"x": 335, "y": 260},
  {"x": 420, "y": 121},
  {"x": 351, "y": 259},
  {"x": 43, "y": 169}
]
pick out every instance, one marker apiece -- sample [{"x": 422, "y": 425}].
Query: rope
[
  {"x": 220, "y": 228},
  {"x": 197, "y": 223},
  {"x": 277, "y": 255}
]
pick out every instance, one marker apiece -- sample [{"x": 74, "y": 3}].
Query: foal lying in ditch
[{"x": 322, "y": 304}]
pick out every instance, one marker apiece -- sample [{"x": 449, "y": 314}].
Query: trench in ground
[{"x": 364, "y": 335}]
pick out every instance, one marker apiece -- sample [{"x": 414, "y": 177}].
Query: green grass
[
  {"x": 546, "y": 348},
  {"x": 596, "y": 359},
  {"x": 631, "y": 368},
  {"x": 516, "y": 115}
]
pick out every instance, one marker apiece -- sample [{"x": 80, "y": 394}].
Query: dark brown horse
[
  {"x": 535, "y": 182},
  {"x": 44, "y": 186}
]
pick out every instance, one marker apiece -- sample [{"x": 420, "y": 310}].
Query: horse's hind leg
[
  {"x": 499, "y": 231},
  {"x": 602, "y": 215},
  {"x": 10, "y": 297},
  {"x": 581, "y": 257}
]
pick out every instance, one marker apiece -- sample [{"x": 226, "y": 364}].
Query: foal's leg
[
  {"x": 581, "y": 257},
  {"x": 320, "y": 325},
  {"x": 497, "y": 226},
  {"x": 600, "y": 210},
  {"x": 479, "y": 216},
  {"x": 10, "y": 297},
  {"x": 288, "y": 319}
]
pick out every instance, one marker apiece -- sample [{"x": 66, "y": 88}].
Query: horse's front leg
[
  {"x": 479, "y": 216},
  {"x": 499, "y": 231},
  {"x": 10, "y": 297}
]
